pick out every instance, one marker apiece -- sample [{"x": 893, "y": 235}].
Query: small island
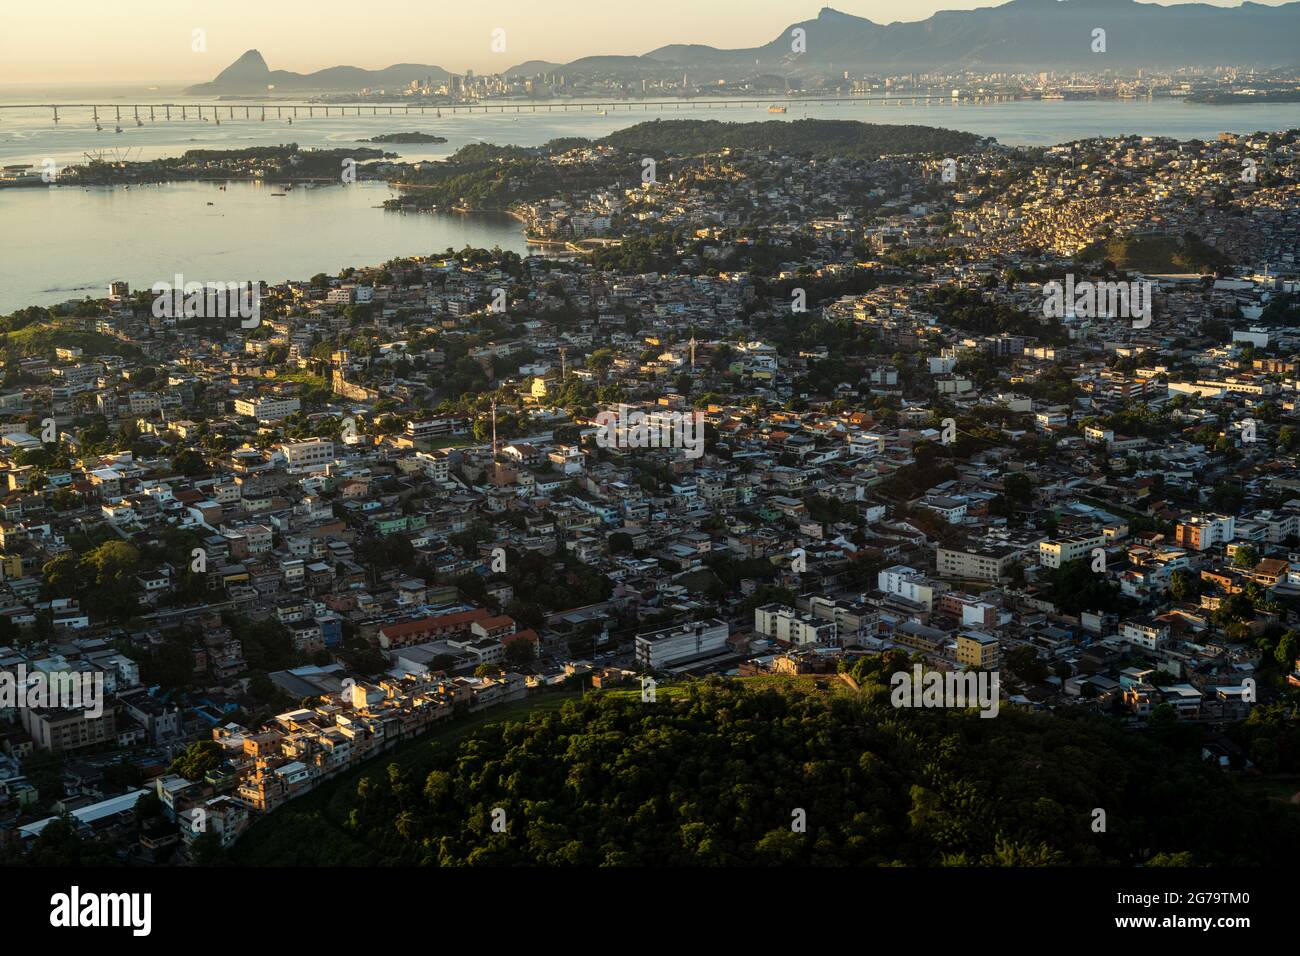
[
  {"x": 405, "y": 138},
  {"x": 1244, "y": 97}
]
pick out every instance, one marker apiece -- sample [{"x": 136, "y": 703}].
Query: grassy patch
[
  {"x": 303, "y": 378},
  {"x": 1156, "y": 255},
  {"x": 44, "y": 337},
  {"x": 446, "y": 441}
]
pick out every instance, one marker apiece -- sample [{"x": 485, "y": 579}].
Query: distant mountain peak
[
  {"x": 251, "y": 60},
  {"x": 829, "y": 16},
  {"x": 249, "y": 68},
  {"x": 1030, "y": 35},
  {"x": 250, "y": 73}
]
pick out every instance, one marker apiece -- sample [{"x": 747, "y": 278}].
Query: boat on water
[
  {"x": 776, "y": 109},
  {"x": 119, "y": 129},
  {"x": 278, "y": 194}
]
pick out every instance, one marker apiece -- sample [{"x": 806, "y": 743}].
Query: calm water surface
[{"x": 63, "y": 243}]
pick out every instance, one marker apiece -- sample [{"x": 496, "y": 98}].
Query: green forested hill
[
  {"x": 846, "y": 138},
  {"x": 711, "y": 776}
]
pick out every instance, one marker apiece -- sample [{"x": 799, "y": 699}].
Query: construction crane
[{"x": 120, "y": 156}]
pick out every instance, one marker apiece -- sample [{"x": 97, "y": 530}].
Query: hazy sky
[{"x": 85, "y": 41}]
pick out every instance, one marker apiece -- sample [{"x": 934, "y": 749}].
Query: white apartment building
[
  {"x": 953, "y": 510},
  {"x": 311, "y": 455},
  {"x": 267, "y": 409},
  {"x": 434, "y": 466},
  {"x": 978, "y": 563},
  {"x": 485, "y": 649},
  {"x": 907, "y": 583},
  {"x": 682, "y": 644},
  {"x": 1201, "y": 532},
  {"x": 1053, "y": 554},
  {"x": 145, "y": 403},
  {"x": 435, "y": 428},
  {"x": 785, "y": 624},
  {"x": 1148, "y": 635},
  {"x": 866, "y": 445}
]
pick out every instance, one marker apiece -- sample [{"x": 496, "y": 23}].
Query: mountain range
[
  {"x": 250, "y": 74},
  {"x": 1022, "y": 35}
]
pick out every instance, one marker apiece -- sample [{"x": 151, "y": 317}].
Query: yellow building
[
  {"x": 11, "y": 566},
  {"x": 977, "y": 650},
  {"x": 545, "y": 386}
]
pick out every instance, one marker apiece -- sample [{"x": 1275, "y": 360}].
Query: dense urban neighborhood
[{"x": 774, "y": 404}]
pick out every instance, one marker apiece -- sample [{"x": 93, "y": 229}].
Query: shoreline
[{"x": 246, "y": 208}]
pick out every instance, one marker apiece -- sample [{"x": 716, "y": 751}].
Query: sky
[{"x": 121, "y": 41}]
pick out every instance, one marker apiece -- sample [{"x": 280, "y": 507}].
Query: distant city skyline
[{"x": 89, "y": 42}]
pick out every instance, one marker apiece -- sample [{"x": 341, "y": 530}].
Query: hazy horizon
[{"x": 89, "y": 43}]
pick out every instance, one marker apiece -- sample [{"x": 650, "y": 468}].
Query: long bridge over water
[{"x": 139, "y": 112}]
